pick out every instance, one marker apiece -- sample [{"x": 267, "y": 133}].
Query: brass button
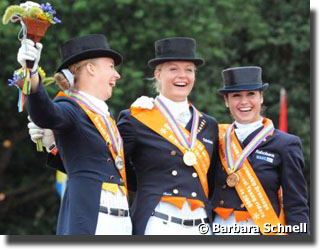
[
  {"x": 111, "y": 177},
  {"x": 174, "y": 172},
  {"x": 175, "y": 191},
  {"x": 242, "y": 205},
  {"x": 173, "y": 153},
  {"x": 109, "y": 160},
  {"x": 194, "y": 194},
  {"x": 224, "y": 186},
  {"x": 221, "y": 202},
  {"x": 194, "y": 175}
]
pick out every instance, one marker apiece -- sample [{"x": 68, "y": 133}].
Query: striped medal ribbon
[
  {"x": 233, "y": 178},
  {"x": 116, "y": 140},
  {"x": 189, "y": 157}
]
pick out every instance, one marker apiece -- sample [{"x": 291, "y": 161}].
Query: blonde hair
[
  {"x": 156, "y": 84},
  {"x": 75, "y": 70}
]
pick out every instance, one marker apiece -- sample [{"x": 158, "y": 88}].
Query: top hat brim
[
  {"x": 154, "y": 62},
  {"x": 90, "y": 54},
  {"x": 243, "y": 87}
]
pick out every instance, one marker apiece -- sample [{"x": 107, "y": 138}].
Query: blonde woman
[{"x": 89, "y": 143}]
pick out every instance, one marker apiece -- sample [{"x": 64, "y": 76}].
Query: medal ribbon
[
  {"x": 249, "y": 187},
  {"x": 176, "y": 128},
  {"x": 100, "y": 123},
  {"x": 111, "y": 128},
  {"x": 235, "y": 165},
  {"x": 155, "y": 120}
]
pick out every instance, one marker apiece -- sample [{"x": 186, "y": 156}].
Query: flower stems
[{"x": 39, "y": 145}]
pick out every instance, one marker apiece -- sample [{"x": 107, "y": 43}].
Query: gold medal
[
  {"x": 232, "y": 180},
  {"x": 119, "y": 162},
  {"x": 189, "y": 158}
]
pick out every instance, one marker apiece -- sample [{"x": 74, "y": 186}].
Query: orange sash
[
  {"x": 249, "y": 187},
  {"x": 101, "y": 127},
  {"x": 154, "y": 120}
]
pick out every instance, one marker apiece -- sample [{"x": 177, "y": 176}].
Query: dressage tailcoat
[
  {"x": 276, "y": 161},
  {"x": 86, "y": 159},
  {"x": 154, "y": 158}
]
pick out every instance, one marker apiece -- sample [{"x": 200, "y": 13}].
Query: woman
[
  {"x": 256, "y": 161},
  {"x": 171, "y": 147},
  {"x": 171, "y": 194},
  {"x": 89, "y": 143}
]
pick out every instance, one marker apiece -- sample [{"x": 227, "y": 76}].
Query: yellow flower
[
  {"x": 42, "y": 73},
  {"x": 42, "y": 17}
]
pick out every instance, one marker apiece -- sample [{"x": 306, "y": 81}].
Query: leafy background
[{"x": 272, "y": 34}]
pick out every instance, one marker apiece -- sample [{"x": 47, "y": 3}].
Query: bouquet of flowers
[{"x": 35, "y": 19}]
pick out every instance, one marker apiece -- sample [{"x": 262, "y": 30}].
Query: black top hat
[
  {"x": 86, "y": 47},
  {"x": 242, "y": 79},
  {"x": 175, "y": 49}
]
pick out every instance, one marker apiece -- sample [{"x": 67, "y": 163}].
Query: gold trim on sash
[
  {"x": 155, "y": 120},
  {"x": 249, "y": 187}
]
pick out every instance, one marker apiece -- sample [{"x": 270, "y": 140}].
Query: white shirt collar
[
  {"x": 244, "y": 130},
  {"x": 176, "y": 108},
  {"x": 99, "y": 104}
]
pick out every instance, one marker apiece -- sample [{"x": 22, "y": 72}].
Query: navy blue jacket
[
  {"x": 154, "y": 158},
  {"x": 276, "y": 161},
  {"x": 85, "y": 157}
]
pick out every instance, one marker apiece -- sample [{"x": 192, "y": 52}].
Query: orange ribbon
[
  {"x": 97, "y": 120},
  {"x": 155, "y": 120},
  {"x": 249, "y": 187}
]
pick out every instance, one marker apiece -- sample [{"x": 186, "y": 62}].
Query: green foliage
[
  {"x": 34, "y": 11},
  {"x": 272, "y": 34}
]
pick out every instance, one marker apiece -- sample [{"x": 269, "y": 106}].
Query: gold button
[
  {"x": 194, "y": 175},
  {"x": 194, "y": 194},
  {"x": 173, "y": 153},
  {"x": 174, "y": 172},
  {"x": 109, "y": 160},
  {"x": 221, "y": 202},
  {"x": 175, "y": 191}
]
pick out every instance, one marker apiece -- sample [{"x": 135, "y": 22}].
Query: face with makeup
[
  {"x": 98, "y": 77},
  {"x": 176, "y": 79},
  {"x": 245, "y": 106}
]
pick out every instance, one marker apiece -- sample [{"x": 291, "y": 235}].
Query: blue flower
[
  {"x": 49, "y": 12},
  {"x": 15, "y": 79},
  {"x": 56, "y": 20}
]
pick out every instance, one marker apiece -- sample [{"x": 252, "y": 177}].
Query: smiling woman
[
  {"x": 95, "y": 201},
  {"x": 171, "y": 146},
  {"x": 256, "y": 163},
  {"x": 245, "y": 106},
  {"x": 175, "y": 79}
]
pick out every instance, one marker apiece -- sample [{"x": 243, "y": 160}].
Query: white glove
[
  {"x": 46, "y": 135},
  {"x": 27, "y": 51},
  {"x": 143, "y": 102}
]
